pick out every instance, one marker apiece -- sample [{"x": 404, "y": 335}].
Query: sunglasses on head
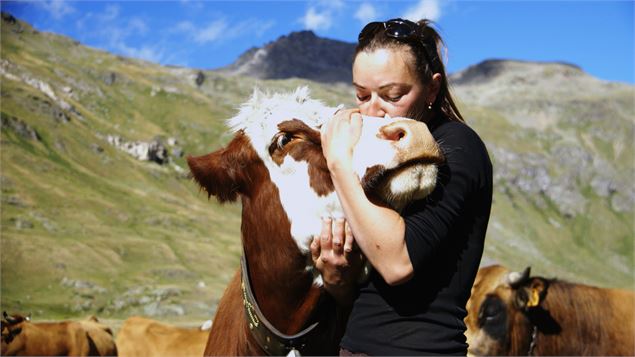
[
  {"x": 399, "y": 29},
  {"x": 396, "y": 28}
]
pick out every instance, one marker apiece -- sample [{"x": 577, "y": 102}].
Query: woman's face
[{"x": 386, "y": 83}]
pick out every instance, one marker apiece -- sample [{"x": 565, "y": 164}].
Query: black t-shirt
[{"x": 444, "y": 236}]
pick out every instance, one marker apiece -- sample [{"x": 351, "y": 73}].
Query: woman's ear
[{"x": 435, "y": 85}]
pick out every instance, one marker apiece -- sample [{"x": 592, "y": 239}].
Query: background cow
[
  {"x": 275, "y": 165},
  {"x": 21, "y": 337},
  {"x": 141, "y": 337},
  {"x": 101, "y": 336},
  {"x": 511, "y": 313}
]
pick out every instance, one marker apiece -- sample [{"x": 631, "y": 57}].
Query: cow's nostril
[{"x": 394, "y": 133}]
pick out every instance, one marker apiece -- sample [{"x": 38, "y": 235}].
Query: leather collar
[{"x": 270, "y": 339}]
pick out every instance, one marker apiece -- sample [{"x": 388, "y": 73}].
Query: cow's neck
[
  {"x": 567, "y": 316},
  {"x": 280, "y": 282}
]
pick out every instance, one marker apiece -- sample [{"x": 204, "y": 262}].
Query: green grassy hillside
[{"x": 87, "y": 228}]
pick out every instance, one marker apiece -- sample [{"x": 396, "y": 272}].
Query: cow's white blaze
[{"x": 303, "y": 206}]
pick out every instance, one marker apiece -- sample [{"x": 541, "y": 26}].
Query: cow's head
[
  {"x": 502, "y": 311},
  {"x": 11, "y": 330},
  {"x": 277, "y": 140}
]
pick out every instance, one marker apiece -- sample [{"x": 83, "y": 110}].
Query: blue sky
[{"x": 595, "y": 35}]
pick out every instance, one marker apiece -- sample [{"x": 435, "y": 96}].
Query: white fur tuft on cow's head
[
  {"x": 301, "y": 94},
  {"x": 260, "y": 115}
]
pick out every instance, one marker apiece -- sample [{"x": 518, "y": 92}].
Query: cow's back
[
  {"x": 66, "y": 338},
  {"x": 616, "y": 317},
  {"x": 100, "y": 339},
  {"x": 144, "y": 337},
  {"x": 623, "y": 309}
]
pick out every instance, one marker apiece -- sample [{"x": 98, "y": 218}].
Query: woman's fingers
[
  {"x": 325, "y": 236},
  {"x": 329, "y": 249},
  {"x": 315, "y": 249},
  {"x": 349, "y": 241},
  {"x": 341, "y": 118},
  {"x": 338, "y": 235}
]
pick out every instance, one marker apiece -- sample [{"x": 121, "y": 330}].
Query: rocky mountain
[
  {"x": 297, "y": 55},
  {"x": 97, "y": 214},
  {"x": 585, "y": 123}
]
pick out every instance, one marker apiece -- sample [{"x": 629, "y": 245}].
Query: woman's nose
[{"x": 375, "y": 107}]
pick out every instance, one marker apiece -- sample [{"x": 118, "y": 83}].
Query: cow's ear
[
  {"x": 532, "y": 294},
  {"x": 211, "y": 173},
  {"x": 516, "y": 279},
  {"x": 10, "y": 319},
  {"x": 222, "y": 172}
]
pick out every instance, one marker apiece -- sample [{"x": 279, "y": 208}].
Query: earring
[{"x": 430, "y": 106}]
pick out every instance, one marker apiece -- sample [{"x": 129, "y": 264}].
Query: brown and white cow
[
  {"x": 140, "y": 336},
  {"x": 21, "y": 337},
  {"x": 275, "y": 165},
  {"x": 511, "y": 314}
]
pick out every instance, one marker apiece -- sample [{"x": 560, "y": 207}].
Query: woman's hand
[
  {"x": 338, "y": 259},
  {"x": 339, "y": 136}
]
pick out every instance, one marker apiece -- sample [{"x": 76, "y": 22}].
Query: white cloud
[
  {"x": 82, "y": 21},
  {"x": 56, "y": 8},
  {"x": 111, "y": 13},
  {"x": 316, "y": 20},
  {"x": 258, "y": 27},
  {"x": 146, "y": 52},
  {"x": 217, "y": 31},
  {"x": 183, "y": 26},
  {"x": 192, "y": 4},
  {"x": 331, "y": 4},
  {"x": 112, "y": 30},
  {"x": 366, "y": 13},
  {"x": 211, "y": 32},
  {"x": 138, "y": 25},
  {"x": 322, "y": 14},
  {"x": 428, "y": 9},
  {"x": 118, "y": 38}
]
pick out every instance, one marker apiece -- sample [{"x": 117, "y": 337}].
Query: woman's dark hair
[{"x": 425, "y": 44}]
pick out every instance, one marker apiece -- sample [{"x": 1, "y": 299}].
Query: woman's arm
[{"x": 378, "y": 231}]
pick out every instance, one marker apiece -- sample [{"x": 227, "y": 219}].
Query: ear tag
[{"x": 534, "y": 300}]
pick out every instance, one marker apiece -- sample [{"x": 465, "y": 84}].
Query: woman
[{"x": 425, "y": 258}]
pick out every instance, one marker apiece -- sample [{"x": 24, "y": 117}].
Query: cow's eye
[
  {"x": 492, "y": 310},
  {"x": 492, "y": 318},
  {"x": 283, "y": 139}
]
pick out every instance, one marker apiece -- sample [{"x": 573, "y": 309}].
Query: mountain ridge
[
  {"x": 493, "y": 67},
  {"x": 303, "y": 54}
]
